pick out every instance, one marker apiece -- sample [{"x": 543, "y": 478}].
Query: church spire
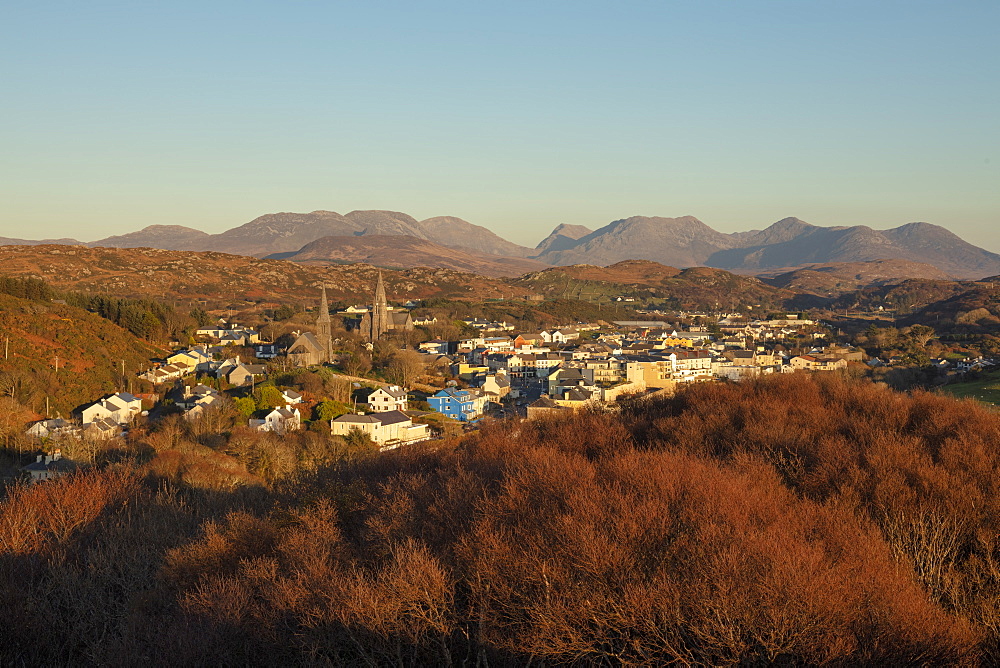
[
  {"x": 380, "y": 311},
  {"x": 324, "y": 306},
  {"x": 324, "y": 331}
]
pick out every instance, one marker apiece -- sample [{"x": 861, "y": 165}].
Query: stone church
[
  {"x": 310, "y": 349},
  {"x": 379, "y": 320}
]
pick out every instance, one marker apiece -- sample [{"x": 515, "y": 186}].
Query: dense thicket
[
  {"x": 34, "y": 289},
  {"x": 794, "y": 520},
  {"x": 145, "y": 318}
]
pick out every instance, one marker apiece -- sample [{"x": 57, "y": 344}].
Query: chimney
[
  {"x": 48, "y": 459},
  {"x": 38, "y": 458},
  {"x": 57, "y": 455}
]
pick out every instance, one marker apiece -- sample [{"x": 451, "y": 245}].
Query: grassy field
[{"x": 986, "y": 389}]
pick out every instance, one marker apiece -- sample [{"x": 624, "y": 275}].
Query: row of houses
[
  {"x": 229, "y": 334},
  {"x": 101, "y": 420},
  {"x": 201, "y": 360}
]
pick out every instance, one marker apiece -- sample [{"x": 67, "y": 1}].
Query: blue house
[{"x": 461, "y": 405}]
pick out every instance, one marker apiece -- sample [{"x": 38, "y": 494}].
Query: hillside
[
  {"x": 976, "y": 308},
  {"x": 695, "y": 288},
  {"x": 906, "y": 297},
  {"x": 90, "y": 351},
  {"x": 167, "y": 237},
  {"x": 7, "y": 241},
  {"x": 163, "y": 274},
  {"x": 406, "y": 252},
  {"x": 833, "y": 279}
]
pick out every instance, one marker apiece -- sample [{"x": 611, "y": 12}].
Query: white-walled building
[
  {"x": 388, "y": 430},
  {"x": 389, "y": 398}
]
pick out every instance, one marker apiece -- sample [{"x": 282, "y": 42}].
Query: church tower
[
  {"x": 380, "y": 323},
  {"x": 324, "y": 333}
]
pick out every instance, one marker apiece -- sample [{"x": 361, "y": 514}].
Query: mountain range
[
  {"x": 682, "y": 242},
  {"x": 788, "y": 243},
  {"x": 401, "y": 252},
  {"x": 289, "y": 232}
]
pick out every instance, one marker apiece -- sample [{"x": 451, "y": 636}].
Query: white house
[
  {"x": 46, "y": 467},
  {"x": 202, "y": 403},
  {"x": 389, "y": 398},
  {"x": 280, "y": 421},
  {"x": 54, "y": 428},
  {"x": 560, "y": 335},
  {"x": 389, "y": 430},
  {"x": 291, "y": 397},
  {"x": 120, "y": 408}
]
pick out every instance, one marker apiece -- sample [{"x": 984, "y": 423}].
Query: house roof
[
  {"x": 305, "y": 343},
  {"x": 576, "y": 394},
  {"x": 544, "y": 401},
  {"x": 353, "y": 418},
  {"x": 453, "y": 392},
  {"x": 103, "y": 424},
  {"x": 500, "y": 380},
  {"x": 393, "y": 417},
  {"x": 60, "y": 465}
]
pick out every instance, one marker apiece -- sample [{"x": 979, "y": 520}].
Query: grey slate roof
[
  {"x": 393, "y": 417},
  {"x": 351, "y": 417}
]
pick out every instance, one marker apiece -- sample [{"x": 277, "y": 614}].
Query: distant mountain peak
[
  {"x": 790, "y": 223},
  {"x": 562, "y": 237}
]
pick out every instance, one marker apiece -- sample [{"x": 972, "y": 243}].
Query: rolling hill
[
  {"x": 839, "y": 277},
  {"x": 694, "y": 288},
  {"x": 89, "y": 350},
  {"x": 189, "y": 275}
]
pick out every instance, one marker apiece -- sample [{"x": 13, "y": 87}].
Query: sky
[{"x": 513, "y": 115}]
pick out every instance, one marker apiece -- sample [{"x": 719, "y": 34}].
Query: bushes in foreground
[{"x": 797, "y": 520}]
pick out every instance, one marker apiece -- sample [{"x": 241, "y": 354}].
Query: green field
[{"x": 986, "y": 389}]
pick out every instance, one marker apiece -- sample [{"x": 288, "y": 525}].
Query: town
[{"x": 429, "y": 387}]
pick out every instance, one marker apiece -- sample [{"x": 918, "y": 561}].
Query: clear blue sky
[{"x": 516, "y": 116}]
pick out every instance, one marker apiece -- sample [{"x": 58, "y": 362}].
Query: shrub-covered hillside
[
  {"x": 89, "y": 350},
  {"x": 796, "y": 520}
]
